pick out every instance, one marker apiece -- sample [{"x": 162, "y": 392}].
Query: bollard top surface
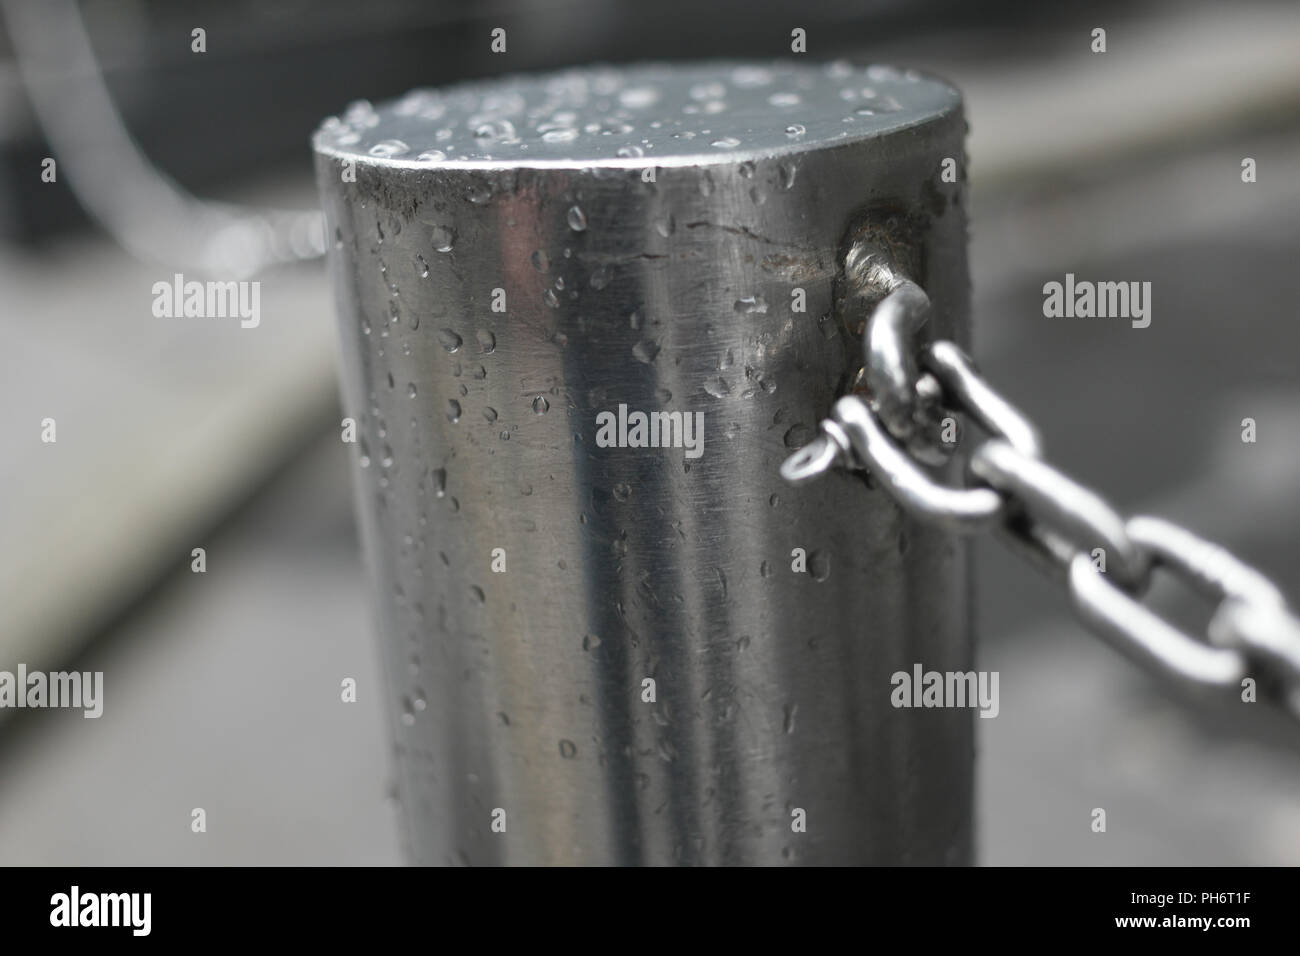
[{"x": 635, "y": 116}]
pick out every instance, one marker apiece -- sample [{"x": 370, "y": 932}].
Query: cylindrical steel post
[{"x": 614, "y": 635}]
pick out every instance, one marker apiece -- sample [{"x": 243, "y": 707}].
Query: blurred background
[{"x": 1124, "y": 165}]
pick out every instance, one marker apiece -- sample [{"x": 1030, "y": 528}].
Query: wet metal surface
[{"x": 507, "y": 272}]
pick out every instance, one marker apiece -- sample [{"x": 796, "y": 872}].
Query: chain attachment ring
[{"x": 1040, "y": 511}]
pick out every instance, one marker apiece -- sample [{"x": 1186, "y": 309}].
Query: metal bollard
[{"x": 584, "y": 318}]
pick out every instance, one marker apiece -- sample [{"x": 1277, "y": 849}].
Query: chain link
[{"x": 1105, "y": 561}]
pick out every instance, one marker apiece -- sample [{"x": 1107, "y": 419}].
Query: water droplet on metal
[
  {"x": 494, "y": 131},
  {"x": 442, "y": 238},
  {"x": 708, "y": 90},
  {"x": 819, "y": 565},
  {"x": 388, "y": 148},
  {"x": 747, "y": 77},
  {"x": 645, "y": 351},
  {"x": 638, "y": 97},
  {"x": 450, "y": 340},
  {"x": 799, "y": 435},
  {"x": 577, "y": 219}
]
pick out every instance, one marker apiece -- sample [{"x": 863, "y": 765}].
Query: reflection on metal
[{"x": 602, "y": 651}]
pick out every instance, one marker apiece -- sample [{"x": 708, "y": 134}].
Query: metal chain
[{"x": 1065, "y": 529}]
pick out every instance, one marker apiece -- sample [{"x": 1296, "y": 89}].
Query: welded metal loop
[
  {"x": 1060, "y": 515},
  {"x": 959, "y": 510},
  {"x": 892, "y": 311},
  {"x": 889, "y": 356},
  {"x": 1063, "y": 526}
]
